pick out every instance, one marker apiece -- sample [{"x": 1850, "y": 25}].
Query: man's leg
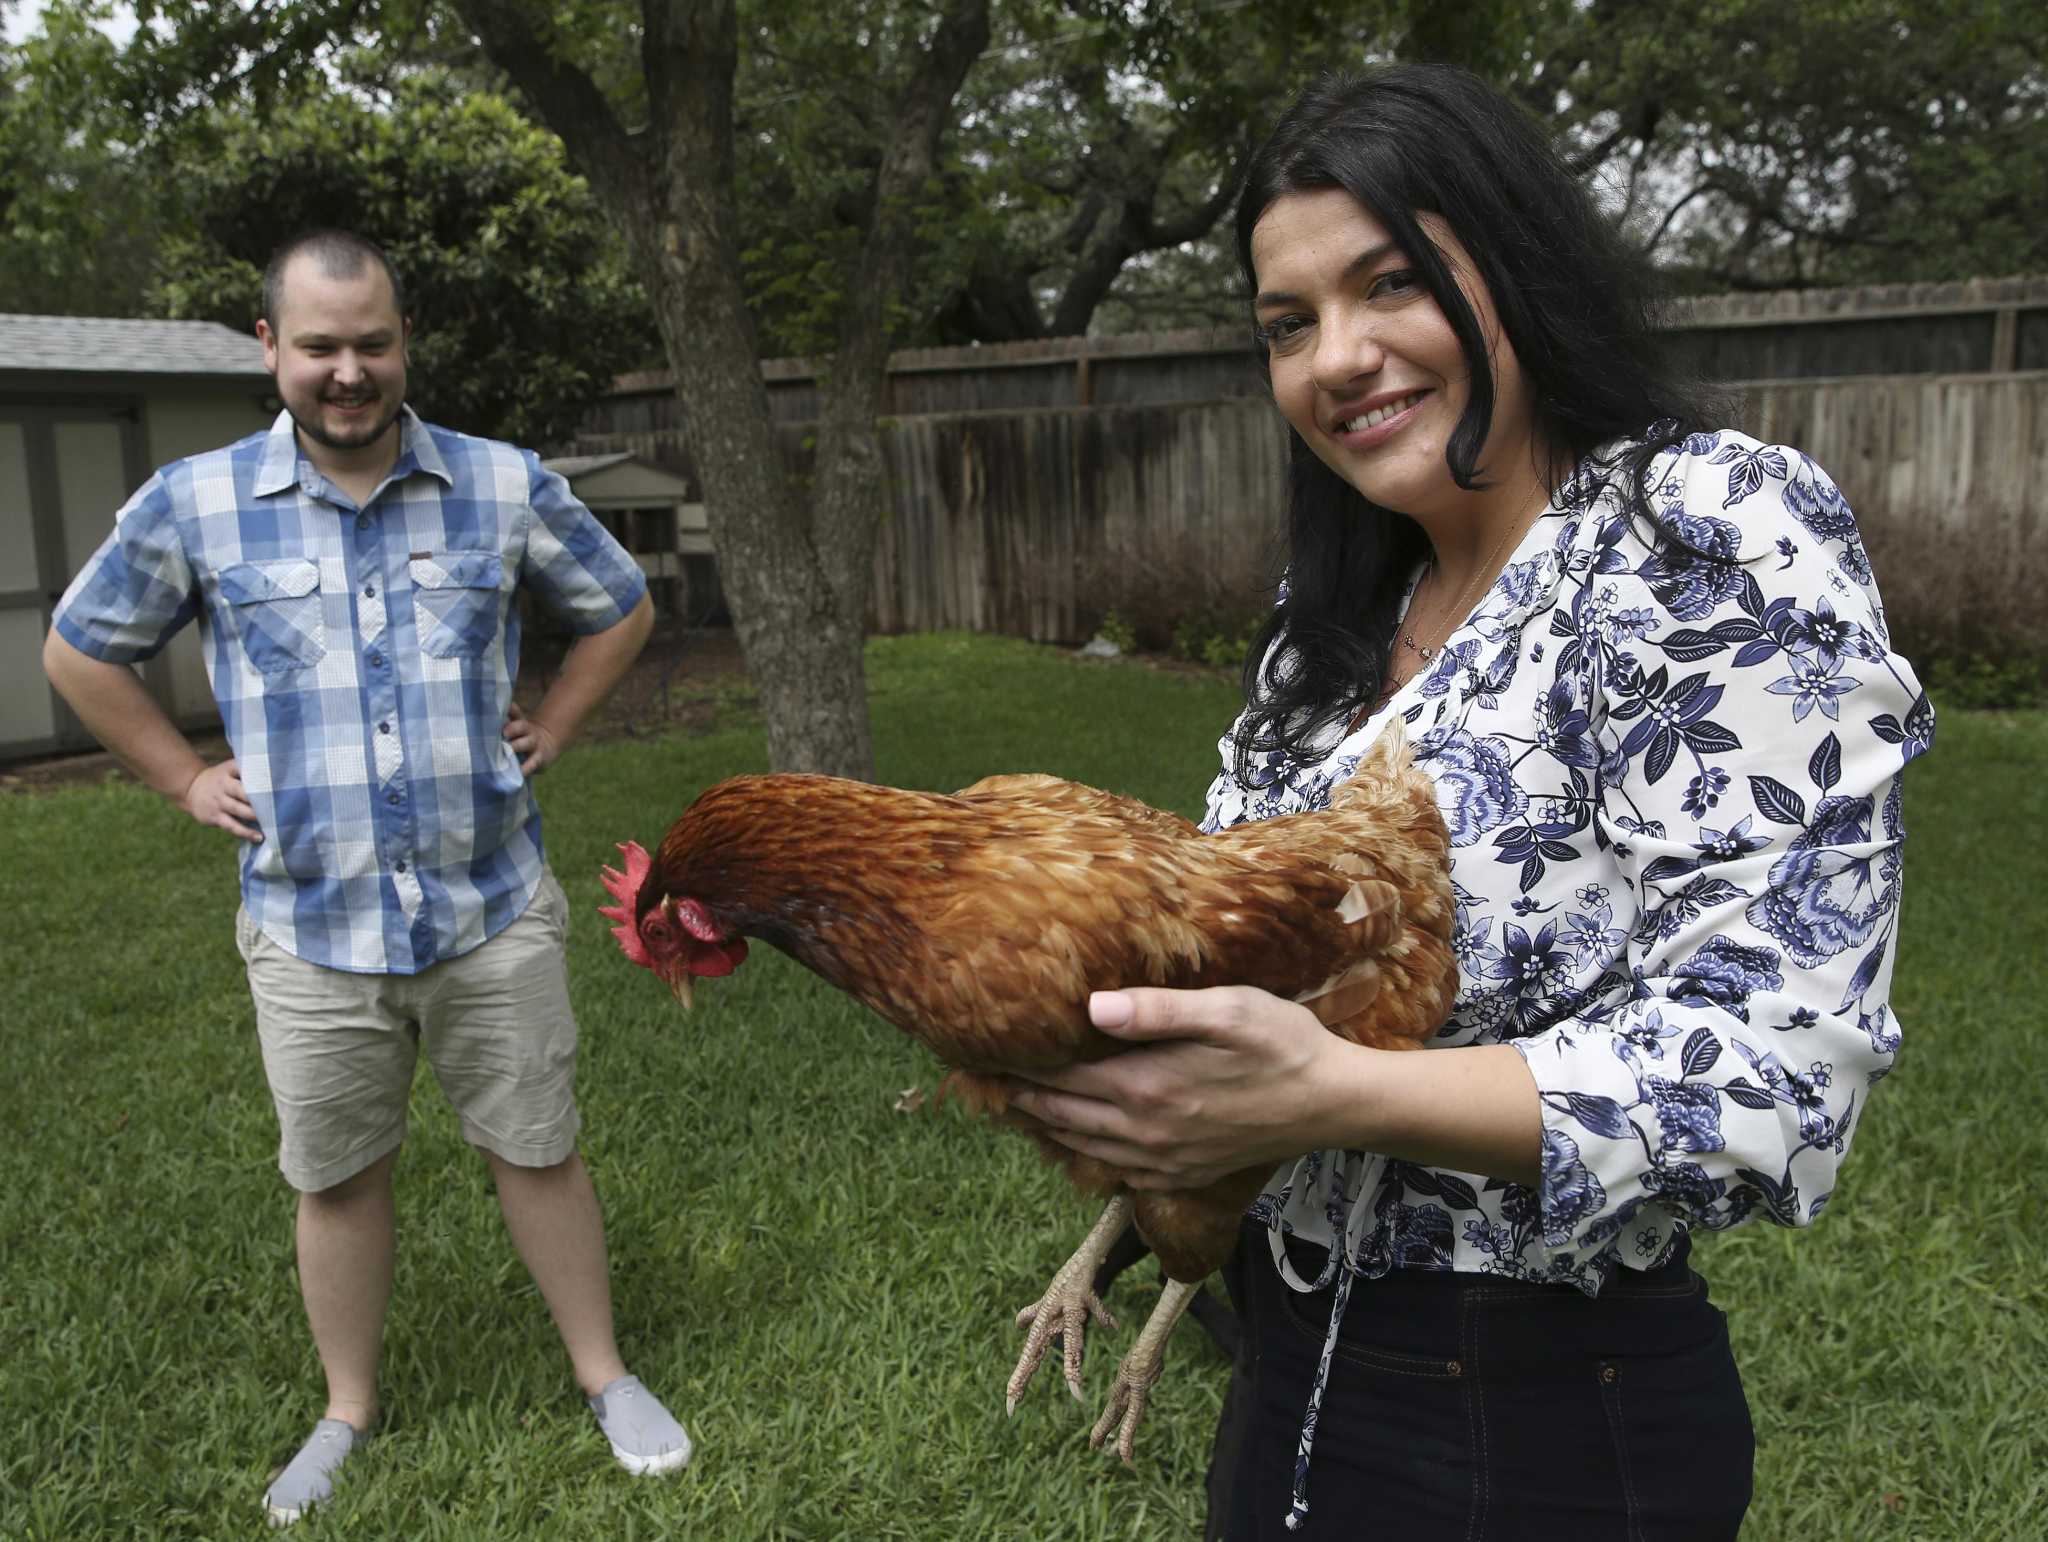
[
  {"x": 552, "y": 1215},
  {"x": 346, "y": 1241},
  {"x": 502, "y": 1037},
  {"x": 345, "y": 1244},
  {"x": 339, "y": 1059}
]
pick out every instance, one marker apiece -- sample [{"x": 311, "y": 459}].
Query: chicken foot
[
  {"x": 1140, "y": 1370},
  {"x": 1069, "y": 1301}
]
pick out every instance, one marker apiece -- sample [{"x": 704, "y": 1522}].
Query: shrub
[
  {"x": 1115, "y": 629},
  {"x": 1196, "y": 603},
  {"x": 1964, "y": 604},
  {"x": 1974, "y": 680}
]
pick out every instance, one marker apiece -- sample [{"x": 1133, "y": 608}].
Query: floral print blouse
[{"x": 1673, "y": 797}]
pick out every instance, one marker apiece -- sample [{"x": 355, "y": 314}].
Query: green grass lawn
[{"x": 823, "y": 1286}]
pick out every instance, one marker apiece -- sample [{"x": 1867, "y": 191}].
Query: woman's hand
[{"x": 1215, "y": 1081}]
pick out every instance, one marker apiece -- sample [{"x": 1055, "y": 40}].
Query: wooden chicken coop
[{"x": 653, "y": 515}]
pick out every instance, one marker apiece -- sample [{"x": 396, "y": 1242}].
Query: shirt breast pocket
[
  {"x": 277, "y": 610},
  {"x": 458, "y": 601}
]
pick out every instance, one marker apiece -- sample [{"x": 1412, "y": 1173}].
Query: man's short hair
[{"x": 340, "y": 254}]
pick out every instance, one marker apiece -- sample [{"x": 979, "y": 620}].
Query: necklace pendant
[{"x": 1425, "y": 654}]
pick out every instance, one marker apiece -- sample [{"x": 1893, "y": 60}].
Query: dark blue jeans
[{"x": 1463, "y": 1406}]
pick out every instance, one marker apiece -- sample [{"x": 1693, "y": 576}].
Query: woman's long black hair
[{"x": 1573, "y": 296}]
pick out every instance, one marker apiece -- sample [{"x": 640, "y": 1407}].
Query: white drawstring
[{"x": 1348, "y": 1210}]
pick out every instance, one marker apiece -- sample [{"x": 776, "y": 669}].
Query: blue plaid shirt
[{"x": 363, "y": 660}]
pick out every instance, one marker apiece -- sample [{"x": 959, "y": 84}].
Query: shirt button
[
  {"x": 383, "y": 728},
  {"x": 391, "y": 797},
  {"x": 401, "y": 867},
  {"x": 376, "y": 661},
  {"x": 369, "y": 591},
  {"x": 362, "y": 522}
]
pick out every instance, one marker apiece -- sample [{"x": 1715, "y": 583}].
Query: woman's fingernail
[{"x": 1109, "y": 1009}]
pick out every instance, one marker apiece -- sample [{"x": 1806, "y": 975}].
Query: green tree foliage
[
  {"x": 522, "y": 303},
  {"x": 1201, "y": 81},
  {"x": 79, "y": 211},
  {"x": 1756, "y": 144},
  {"x": 1099, "y": 142},
  {"x": 1747, "y": 144},
  {"x": 120, "y": 198}
]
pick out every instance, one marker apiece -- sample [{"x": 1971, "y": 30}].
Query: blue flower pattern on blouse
[{"x": 1672, "y": 790}]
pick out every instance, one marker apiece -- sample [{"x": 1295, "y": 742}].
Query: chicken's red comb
[{"x": 625, "y": 888}]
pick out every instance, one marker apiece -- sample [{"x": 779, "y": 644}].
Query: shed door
[{"x": 64, "y": 472}]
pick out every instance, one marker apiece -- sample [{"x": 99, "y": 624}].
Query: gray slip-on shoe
[
  {"x": 308, "y": 1477},
  {"x": 644, "y": 1436}
]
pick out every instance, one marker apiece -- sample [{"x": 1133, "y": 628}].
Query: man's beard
[{"x": 353, "y": 440}]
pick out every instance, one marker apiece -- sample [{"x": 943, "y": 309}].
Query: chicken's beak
[{"x": 679, "y": 983}]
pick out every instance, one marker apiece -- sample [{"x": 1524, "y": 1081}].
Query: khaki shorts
[{"x": 339, "y": 1048}]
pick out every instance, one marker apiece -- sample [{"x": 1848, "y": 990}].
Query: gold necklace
[{"x": 1407, "y": 634}]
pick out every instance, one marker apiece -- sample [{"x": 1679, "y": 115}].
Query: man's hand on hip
[
  {"x": 216, "y": 798},
  {"x": 536, "y": 743}
]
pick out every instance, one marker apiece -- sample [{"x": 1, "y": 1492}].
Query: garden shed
[{"x": 89, "y": 406}]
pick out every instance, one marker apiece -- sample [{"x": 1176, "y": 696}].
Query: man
[{"x": 353, "y": 571}]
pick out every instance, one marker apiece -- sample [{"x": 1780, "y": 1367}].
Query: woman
[{"x": 1644, "y": 661}]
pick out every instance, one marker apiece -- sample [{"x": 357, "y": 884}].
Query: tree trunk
[
  {"x": 799, "y": 618},
  {"x": 800, "y": 631},
  {"x": 795, "y": 564}
]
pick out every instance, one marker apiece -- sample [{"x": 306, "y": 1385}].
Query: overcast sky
[{"x": 23, "y": 15}]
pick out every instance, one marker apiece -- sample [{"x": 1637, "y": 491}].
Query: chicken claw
[
  {"x": 1126, "y": 1410},
  {"x": 1069, "y": 1301},
  {"x": 1140, "y": 1370}
]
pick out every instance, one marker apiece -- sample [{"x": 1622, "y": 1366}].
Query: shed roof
[
  {"x": 104, "y": 345},
  {"x": 573, "y": 466},
  {"x": 620, "y": 479}
]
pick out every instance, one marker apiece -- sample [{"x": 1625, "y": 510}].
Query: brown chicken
[{"x": 980, "y": 922}]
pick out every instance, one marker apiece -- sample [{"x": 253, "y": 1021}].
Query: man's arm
[
  {"x": 594, "y": 665},
  {"x": 124, "y": 717}
]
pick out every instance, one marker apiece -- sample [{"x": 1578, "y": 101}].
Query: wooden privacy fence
[
  {"x": 1969, "y": 452},
  {"x": 1068, "y": 478},
  {"x": 1982, "y": 326},
  {"x": 1029, "y": 522}
]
